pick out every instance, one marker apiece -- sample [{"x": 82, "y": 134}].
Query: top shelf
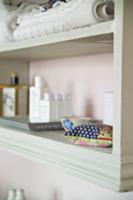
[{"x": 87, "y": 40}]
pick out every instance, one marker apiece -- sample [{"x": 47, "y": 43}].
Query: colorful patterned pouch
[
  {"x": 72, "y": 122},
  {"x": 90, "y": 134}
]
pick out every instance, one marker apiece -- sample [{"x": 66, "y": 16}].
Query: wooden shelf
[
  {"x": 97, "y": 165},
  {"x": 88, "y": 40},
  {"x": 108, "y": 168}
]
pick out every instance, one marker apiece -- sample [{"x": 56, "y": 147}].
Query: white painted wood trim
[
  {"x": 96, "y": 166},
  {"x": 114, "y": 171},
  {"x": 95, "y": 39},
  {"x": 127, "y": 173},
  {"x": 94, "y": 30},
  {"x": 117, "y": 68}
]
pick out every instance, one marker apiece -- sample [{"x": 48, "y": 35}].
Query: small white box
[{"x": 108, "y": 108}]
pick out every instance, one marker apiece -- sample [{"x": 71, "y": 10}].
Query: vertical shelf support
[{"x": 123, "y": 86}]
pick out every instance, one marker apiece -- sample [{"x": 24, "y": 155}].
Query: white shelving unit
[
  {"x": 89, "y": 40},
  {"x": 110, "y": 168}
]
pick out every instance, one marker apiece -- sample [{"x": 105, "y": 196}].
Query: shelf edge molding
[
  {"x": 90, "y": 31},
  {"x": 96, "y": 167},
  {"x": 93, "y": 39}
]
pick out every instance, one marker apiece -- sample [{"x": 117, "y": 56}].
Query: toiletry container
[
  {"x": 20, "y": 195},
  {"x": 11, "y": 194},
  {"x": 56, "y": 106},
  {"x": 108, "y": 108},
  {"x": 14, "y": 79},
  {"x": 60, "y": 106},
  {"x": 34, "y": 103},
  {"x": 63, "y": 107},
  {"x": 66, "y": 106},
  {"x": 14, "y": 100},
  {"x": 9, "y": 102},
  {"x": 47, "y": 109}
]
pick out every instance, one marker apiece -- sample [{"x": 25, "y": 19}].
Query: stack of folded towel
[
  {"x": 63, "y": 17},
  {"x": 31, "y": 20},
  {"x": 9, "y": 16}
]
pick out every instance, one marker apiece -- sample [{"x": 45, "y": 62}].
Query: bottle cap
[
  {"x": 47, "y": 96},
  {"x": 38, "y": 81},
  {"x": 57, "y": 97},
  {"x": 64, "y": 96},
  {"x": 14, "y": 79}
]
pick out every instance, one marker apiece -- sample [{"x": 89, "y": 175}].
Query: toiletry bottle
[
  {"x": 66, "y": 106},
  {"x": 14, "y": 79},
  {"x": 35, "y": 97},
  {"x": 47, "y": 113},
  {"x": 52, "y": 111},
  {"x": 9, "y": 102},
  {"x": 60, "y": 106},
  {"x": 20, "y": 195},
  {"x": 57, "y": 106},
  {"x": 11, "y": 194}
]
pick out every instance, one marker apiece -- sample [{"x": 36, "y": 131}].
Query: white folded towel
[
  {"x": 63, "y": 17},
  {"x": 6, "y": 15},
  {"x": 9, "y": 16}
]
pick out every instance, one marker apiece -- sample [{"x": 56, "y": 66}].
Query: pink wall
[
  {"x": 85, "y": 78},
  {"x": 45, "y": 183}
]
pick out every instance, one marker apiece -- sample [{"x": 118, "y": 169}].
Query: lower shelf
[{"x": 96, "y": 165}]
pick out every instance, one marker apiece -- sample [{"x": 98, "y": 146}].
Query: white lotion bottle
[
  {"x": 35, "y": 97},
  {"x": 20, "y": 195},
  {"x": 47, "y": 111},
  {"x": 11, "y": 194}
]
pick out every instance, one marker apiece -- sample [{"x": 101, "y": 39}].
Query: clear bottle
[
  {"x": 60, "y": 103},
  {"x": 66, "y": 106},
  {"x": 11, "y": 194},
  {"x": 62, "y": 106},
  {"x": 20, "y": 195},
  {"x": 57, "y": 98}
]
